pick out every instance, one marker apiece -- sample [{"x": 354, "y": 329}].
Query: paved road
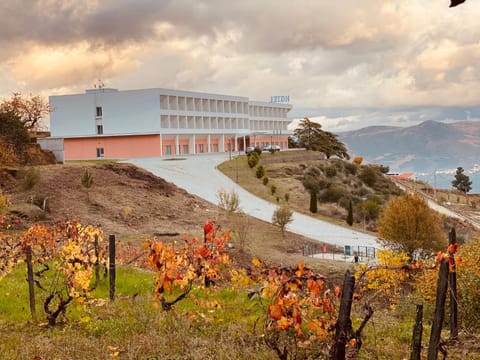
[
  {"x": 439, "y": 208},
  {"x": 198, "y": 175}
]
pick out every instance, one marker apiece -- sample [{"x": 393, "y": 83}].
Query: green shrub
[
  {"x": 273, "y": 189},
  {"x": 253, "y": 158},
  {"x": 260, "y": 172},
  {"x": 350, "y": 168},
  {"x": 372, "y": 208},
  {"x": 265, "y": 180},
  {"x": 286, "y": 197},
  {"x": 87, "y": 179},
  {"x": 363, "y": 191},
  {"x": 333, "y": 193},
  {"x": 368, "y": 175},
  {"x": 330, "y": 171},
  {"x": 344, "y": 202},
  {"x": 13, "y": 131}
]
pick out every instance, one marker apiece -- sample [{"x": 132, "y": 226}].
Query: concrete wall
[{"x": 54, "y": 145}]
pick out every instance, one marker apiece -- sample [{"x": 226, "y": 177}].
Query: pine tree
[{"x": 462, "y": 182}]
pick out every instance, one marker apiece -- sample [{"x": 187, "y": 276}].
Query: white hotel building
[{"x": 116, "y": 124}]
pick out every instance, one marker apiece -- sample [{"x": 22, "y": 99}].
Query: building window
[
  {"x": 200, "y": 148},
  {"x": 99, "y": 129},
  {"x": 100, "y": 152},
  {"x": 99, "y": 111},
  {"x": 185, "y": 149},
  {"x": 168, "y": 149}
]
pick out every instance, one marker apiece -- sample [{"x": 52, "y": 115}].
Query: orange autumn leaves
[
  {"x": 178, "y": 267},
  {"x": 451, "y": 256},
  {"x": 300, "y": 302}
]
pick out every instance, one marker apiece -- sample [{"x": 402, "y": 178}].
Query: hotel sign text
[{"x": 280, "y": 99}]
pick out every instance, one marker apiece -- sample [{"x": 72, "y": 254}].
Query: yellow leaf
[{"x": 256, "y": 262}]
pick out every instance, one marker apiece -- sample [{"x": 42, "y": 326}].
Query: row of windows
[
  {"x": 267, "y": 125},
  {"x": 183, "y": 103},
  {"x": 180, "y": 103},
  {"x": 267, "y": 111}
]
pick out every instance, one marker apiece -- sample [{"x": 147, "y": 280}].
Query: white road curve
[
  {"x": 439, "y": 208},
  {"x": 198, "y": 175}
]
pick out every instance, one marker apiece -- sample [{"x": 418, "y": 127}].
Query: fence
[{"x": 359, "y": 253}]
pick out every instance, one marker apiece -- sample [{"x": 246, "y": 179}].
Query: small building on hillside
[{"x": 108, "y": 123}]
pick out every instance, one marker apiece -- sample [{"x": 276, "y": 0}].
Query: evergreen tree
[
  {"x": 313, "y": 202},
  {"x": 462, "y": 182},
  {"x": 311, "y": 136},
  {"x": 350, "y": 214}
]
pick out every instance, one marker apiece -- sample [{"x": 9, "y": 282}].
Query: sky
[{"x": 346, "y": 63}]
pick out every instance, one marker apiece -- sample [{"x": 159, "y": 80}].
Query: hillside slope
[{"x": 134, "y": 205}]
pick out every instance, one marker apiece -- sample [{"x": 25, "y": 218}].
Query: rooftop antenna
[{"x": 100, "y": 85}]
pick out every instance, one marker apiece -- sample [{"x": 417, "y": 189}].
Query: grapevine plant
[{"x": 196, "y": 262}]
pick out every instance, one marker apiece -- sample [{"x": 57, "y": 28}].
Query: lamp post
[
  {"x": 236, "y": 169},
  {"x": 364, "y": 208}
]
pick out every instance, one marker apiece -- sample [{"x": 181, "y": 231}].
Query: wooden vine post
[
  {"x": 452, "y": 279},
  {"x": 97, "y": 261},
  {"x": 416, "y": 353},
  {"x": 111, "y": 265},
  {"x": 344, "y": 329},
  {"x": 31, "y": 283},
  {"x": 208, "y": 232},
  {"x": 439, "y": 316}
]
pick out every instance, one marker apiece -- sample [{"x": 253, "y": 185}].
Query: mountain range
[{"x": 426, "y": 147}]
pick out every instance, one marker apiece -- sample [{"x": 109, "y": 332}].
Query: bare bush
[
  {"x": 229, "y": 201},
  {"x": 282, "y": 216}
]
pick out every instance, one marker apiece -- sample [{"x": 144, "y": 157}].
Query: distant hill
[{"x": 425, "y": 147}]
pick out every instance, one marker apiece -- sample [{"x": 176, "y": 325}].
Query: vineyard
[
  {"x": 78, "y": 286},
  {"x": 125, "y": 281}
]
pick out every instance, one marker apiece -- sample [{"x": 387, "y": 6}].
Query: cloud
[
  {"x": 347, "y": 54},
  {"x": 67, "y": 66}
]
